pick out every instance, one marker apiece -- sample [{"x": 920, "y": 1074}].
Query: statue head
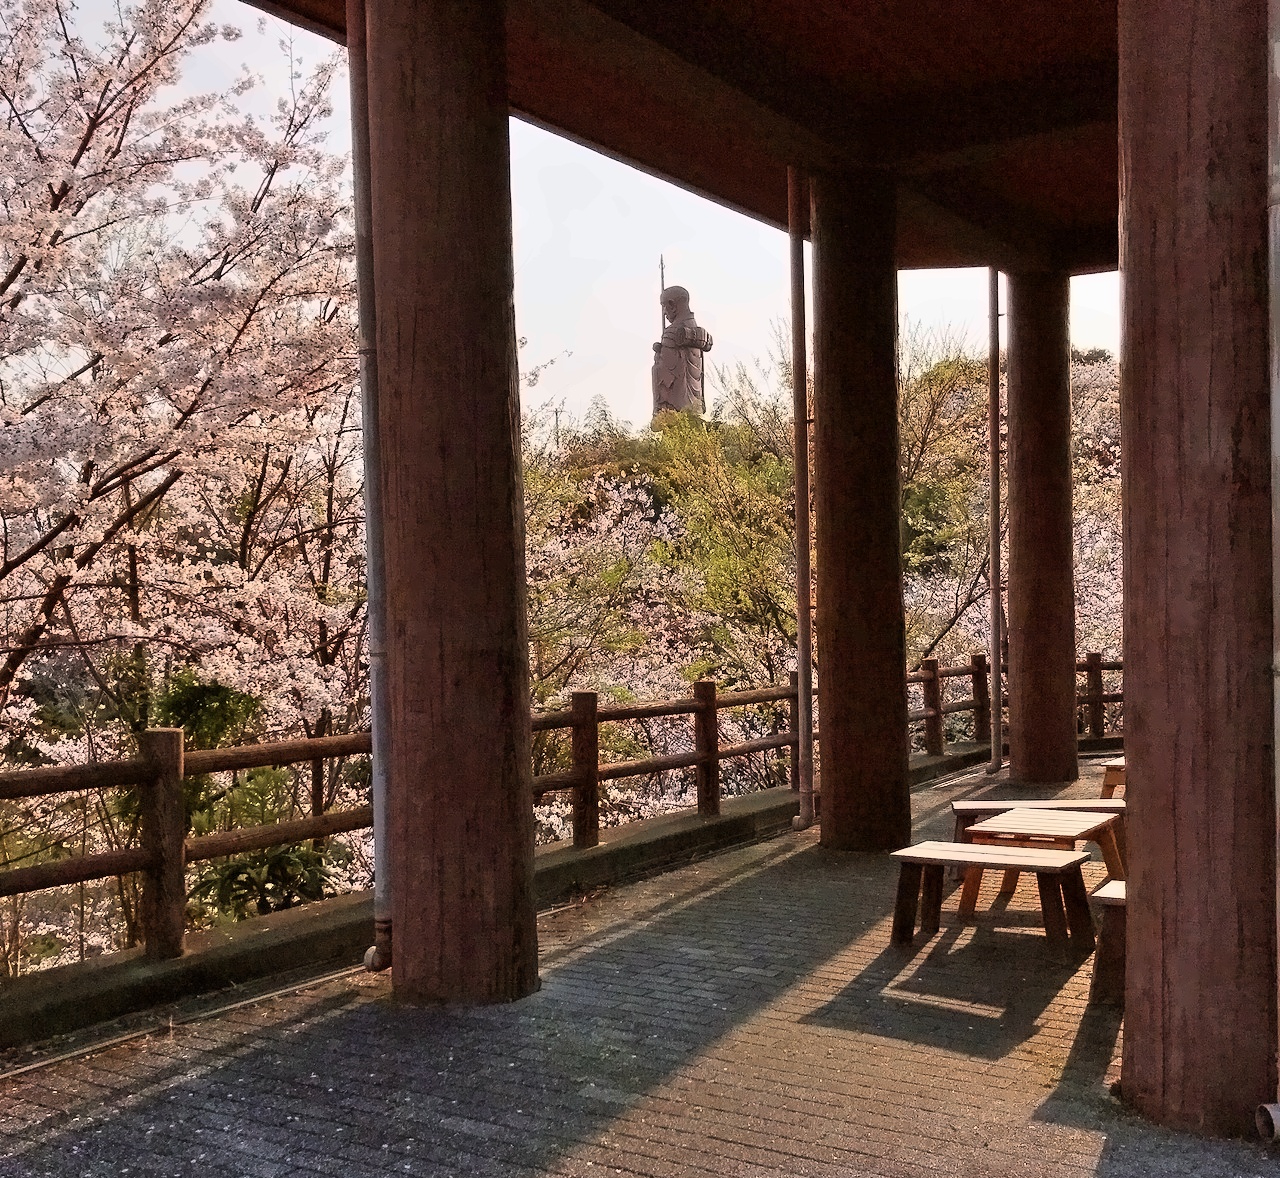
[{"x": 675, "y": 301}]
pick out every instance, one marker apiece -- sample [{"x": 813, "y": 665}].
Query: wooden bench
[
  {"x": 1064, "y": 902},
  {"x": 1112, "y": 777},
  {"x": 1107, "y": 986}
]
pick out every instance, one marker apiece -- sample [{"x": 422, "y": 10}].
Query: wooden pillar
[
  {"x": 861, "y": 642},
  {"x": 1200, "y": 993},
  {"x": 460, "y": 792},
  {"x": 1042, "y": 617}
]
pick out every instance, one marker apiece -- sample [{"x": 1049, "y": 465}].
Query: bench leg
[
  {"x": 1107, "y": 986},
  {"x": 1108, "y": 845},
  {"x": 931, "y": 900},
  {"x": 1055, "y": 917},
  {"x": 904, "y": 911},
  {"x": 1009, "y": 882},
  {"x": 1079, "y": 918},
  {"x": 969, "y": 893}
]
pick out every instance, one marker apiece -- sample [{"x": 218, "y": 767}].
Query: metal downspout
[
  {"x": 379, "y": 955},
  {"x": 993, "y": 429},
  {"x": 797, "y": 200}
]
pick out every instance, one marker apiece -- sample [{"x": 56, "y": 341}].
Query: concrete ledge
[
  {"x": 656, "y": 844},
  {"x": 51, "y": 1002},
  {"x": 334, "y": 933}
]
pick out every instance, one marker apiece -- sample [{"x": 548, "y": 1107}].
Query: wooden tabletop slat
[
  {"x": 1003, "y": 805},
  {"x": 1009, "y": 858},
  {"x": 1028, "y": 823}
]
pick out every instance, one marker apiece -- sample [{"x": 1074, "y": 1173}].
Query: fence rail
[{"x": 165, "y": 851}]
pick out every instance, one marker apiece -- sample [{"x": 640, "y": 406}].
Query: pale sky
[{"x": 588, "y": 235}]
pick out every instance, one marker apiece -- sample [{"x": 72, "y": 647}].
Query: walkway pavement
[{"x": 741, "y": 1016}]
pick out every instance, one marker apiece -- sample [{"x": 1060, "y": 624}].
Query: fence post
[
  {"x": 162, "y": 828},
  {"x": 933, "y": 706},
  {"x": 586, "y": 764},
  {"x": 706, "y": 736},
  {"x": 793, "y": 726},
  {"x": 1097, "y": 712},
  {"x": 981, "y": 697}
]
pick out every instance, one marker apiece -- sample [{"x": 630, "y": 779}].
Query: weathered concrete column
[
  {"x": 1200, "y": 999},
  {"x": 1042, "y": 602},
  {"x": 460, "y": 807},
  {"x": 861, "y": 642}
]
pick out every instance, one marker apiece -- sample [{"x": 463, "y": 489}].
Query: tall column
[
  {"x": 1042, "y": 602},
  {"x": 1200, "y": 999},
  {"x": 460, "y": 807},
  {"x": 865, "y": 802}
]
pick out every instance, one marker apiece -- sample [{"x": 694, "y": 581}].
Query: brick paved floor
[{"x": 741, "y": 1016}]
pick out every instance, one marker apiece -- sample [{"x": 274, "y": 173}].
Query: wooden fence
[{"x": 164, "y": 851}]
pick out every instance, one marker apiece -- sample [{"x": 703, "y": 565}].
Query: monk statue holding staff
[{"x": 678, "y": 377}]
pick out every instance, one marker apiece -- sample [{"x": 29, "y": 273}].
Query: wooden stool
[
  {"x": 1064, "y": 902},
  {"x": 1107, "y": 987}
]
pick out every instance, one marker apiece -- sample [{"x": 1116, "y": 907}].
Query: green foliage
[
  {"x": 211, "y": 714},
  {"x": 733, "y": 495},
  {"x": 256, "y": 798},
  {"x": 268, "y": 881},
  {"x": 942, "y": 420}
]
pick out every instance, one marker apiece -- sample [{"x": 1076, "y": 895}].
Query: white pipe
[
  {"x": 379, "y": 955},
  {"x": 797, "y": 190},
  {"x": 993, "y": 434}
]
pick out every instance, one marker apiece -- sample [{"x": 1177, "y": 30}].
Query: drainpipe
[
  {"x": 379, "y": 955},
  {"x": 993, "y": 433},
  {"x": 1268, "y": 1115},
  {"x": 797, "y": 200}
]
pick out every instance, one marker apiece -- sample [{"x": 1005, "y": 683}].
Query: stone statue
[{"x": 677, "y": 360}]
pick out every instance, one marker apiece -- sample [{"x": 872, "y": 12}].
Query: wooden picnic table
[{"x": 1034, "y": 827}]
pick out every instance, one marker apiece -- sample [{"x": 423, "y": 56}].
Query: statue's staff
[{"x": 662, "y": 285}]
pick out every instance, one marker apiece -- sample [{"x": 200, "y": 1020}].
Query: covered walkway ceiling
[{"x": 999, "y": 119}]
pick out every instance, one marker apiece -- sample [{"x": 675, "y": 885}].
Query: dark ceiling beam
[
  {"x": 722, "y": 116},
  {"x": 328, "y": 18},
  {"x": 884, "y": 131},
  {"x": 928, "y": 132},
  {"x": 1017, "y": 239}
]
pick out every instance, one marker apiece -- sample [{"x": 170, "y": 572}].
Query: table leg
[
  {"x": 1122, "y": 844},
  {"x": 1111, "y": 856},
  {"x": 1009, "y": 883},
  {"x": 1055, "y": 917},
  {"x": 960, "y": 835},
  {"x": 1079, "y": 918},
  {"x": 904, "y": 911},
  {"x": 931, "y": 900},
  {"x": 969, "y": 893}
]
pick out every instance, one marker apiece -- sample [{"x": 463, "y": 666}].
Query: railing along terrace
[{"x": 164, "y": 851}]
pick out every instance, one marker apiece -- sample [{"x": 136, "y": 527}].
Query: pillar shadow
[
  {"x": 1081, "y": 1098},
  {"x": 503, "y": 1090},
  {"x": 978, "y": 990}
]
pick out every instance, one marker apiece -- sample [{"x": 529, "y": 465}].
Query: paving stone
[{"x": 742, "y": 1016}]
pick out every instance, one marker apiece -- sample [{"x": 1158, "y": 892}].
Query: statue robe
[{"x": 677, "y": 367}]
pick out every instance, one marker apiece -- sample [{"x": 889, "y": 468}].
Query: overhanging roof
[{"x": 998, "y": 118}]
